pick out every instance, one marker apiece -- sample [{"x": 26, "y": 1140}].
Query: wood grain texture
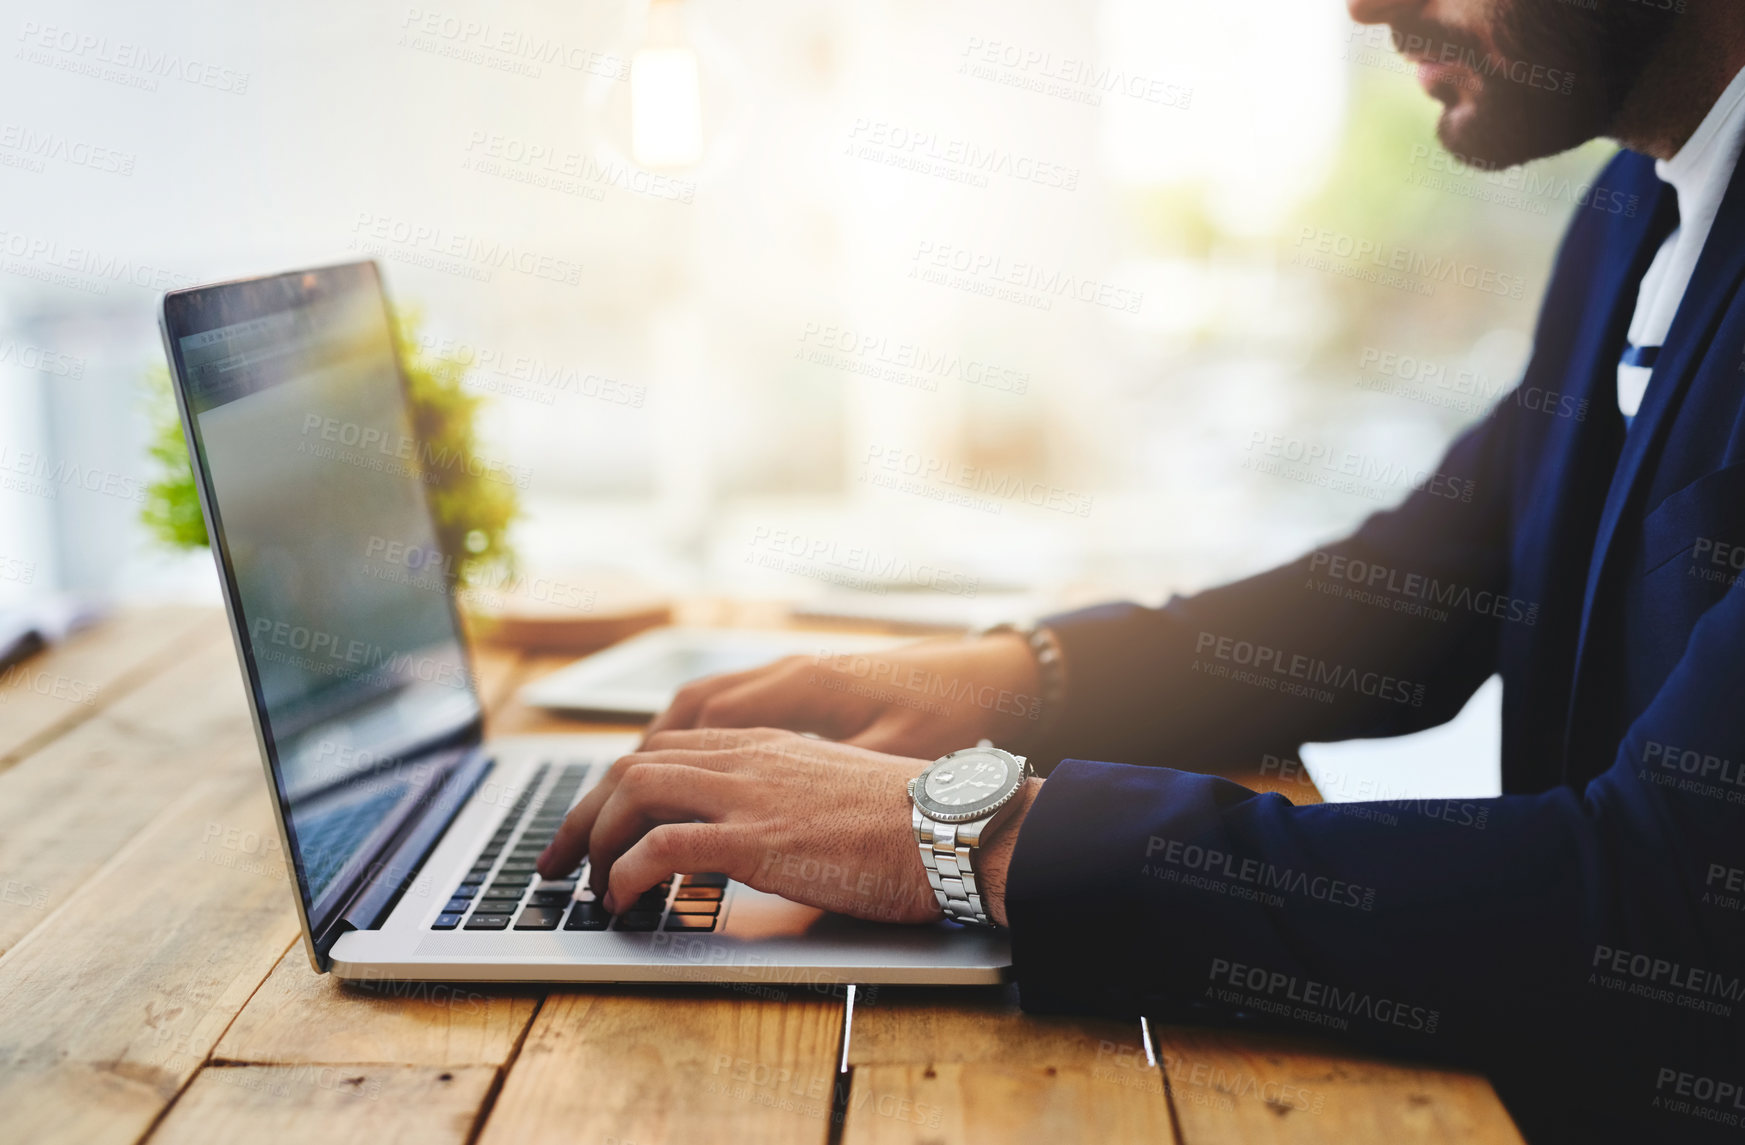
[
  {"x": 301, "y": 1016},
  {"x": 894, "y": 1025},
  {"x": 156, "y": 985},
  {"x": 115, "y": 1000},
  {"x": 327, "y": 1105},
  {"x": 671, "y": 1065},
  {"x": 1243, "y": 1087},
  {"x": 69, "y": 807},
  {"x": 59, "y": 689},
  {"x": 998, "y": 1104}
]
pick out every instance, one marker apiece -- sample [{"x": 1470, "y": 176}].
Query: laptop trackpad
[{"x": 754, "y": 915}]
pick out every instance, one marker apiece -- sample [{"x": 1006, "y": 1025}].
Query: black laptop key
[
  {"x": 549, "y": 898},
  {"x": 639, "y": 920},
  {"x": 708, "y": 880},
  {"x": 457, "y": 906},
  {"x": 488, "y": 922},
  {"x": 690, "y": 922},
  {"x": 509, "y": 891},
  {"x": 446, "y": 922},
  {"x": 587, "y": 916},
  {"x": 497, "y": 906},
  {"x": 540, "y": 918},
  {"x": 465, "y": 891}
]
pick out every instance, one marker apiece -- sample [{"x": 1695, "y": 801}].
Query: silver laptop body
[{"x": 407, "y": 835}]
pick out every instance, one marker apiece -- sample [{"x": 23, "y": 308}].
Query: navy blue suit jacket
[{"x": 1581, "y": 938}]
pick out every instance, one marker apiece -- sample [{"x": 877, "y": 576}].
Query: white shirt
[{"x": 1700, "y": 173}]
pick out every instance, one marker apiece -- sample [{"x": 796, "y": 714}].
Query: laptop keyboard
[
  {"x": 502, "y": 891},
  {"x": 328, "y": 839}
]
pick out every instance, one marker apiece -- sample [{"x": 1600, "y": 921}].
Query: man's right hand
[{"x": 919, "y": 700}]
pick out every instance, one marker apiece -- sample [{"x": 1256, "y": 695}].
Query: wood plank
[
  {"x": 72, "y": 804},
  {"x": 1260, "y": 1090},
  {"x": 969, "y": 1065},
  {"x": 920, "y": 1025},
  {"x": 299, "y": 1016},
  {"x": 331, "y": 1105},
  {"x": 976, "y": 1102},
  {"x": 59, "y": 689},
  {"x": 113, "y": 1003},
  {"x": 670, "y": 1065},
  {"x": 154, "y": 975}
]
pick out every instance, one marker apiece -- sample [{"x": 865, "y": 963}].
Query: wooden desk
[{"x": 153, "y": 986}]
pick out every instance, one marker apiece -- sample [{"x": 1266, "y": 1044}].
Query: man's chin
[
  {"x": 1464, "y": 139},
  {"x": 1494, "y": 134},
  {"x": 1479, "y": 140}
]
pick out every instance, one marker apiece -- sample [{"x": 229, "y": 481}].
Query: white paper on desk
[
  {"x": 926, "y": 610},
  {"x": 639, "y": 676}
]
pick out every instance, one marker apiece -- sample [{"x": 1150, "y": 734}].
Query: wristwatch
[{"x": 958, "y": 799}]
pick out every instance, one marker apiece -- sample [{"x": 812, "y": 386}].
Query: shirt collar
[{"x": 1703, "y": 167}]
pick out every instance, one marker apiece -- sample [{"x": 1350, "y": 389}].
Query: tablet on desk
[{"x": 639, "y": 677}]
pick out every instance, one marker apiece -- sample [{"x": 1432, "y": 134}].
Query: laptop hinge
[{"x": 380, "y": 887}]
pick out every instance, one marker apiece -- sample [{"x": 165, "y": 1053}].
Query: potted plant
[{"x": 472, "y": 512}]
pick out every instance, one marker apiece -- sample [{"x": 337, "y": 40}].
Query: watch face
[{"x": 967, "y": 781}]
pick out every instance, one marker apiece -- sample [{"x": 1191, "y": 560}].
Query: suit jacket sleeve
[
  {"x": 1385, "y": 632},
  {"x": 1606, "y": 918}
]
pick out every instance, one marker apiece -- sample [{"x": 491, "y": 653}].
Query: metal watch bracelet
[{"x": 950, "y": 871}]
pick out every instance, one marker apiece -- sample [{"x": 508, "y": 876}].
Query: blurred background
[{"x": 1017, "y": 304}]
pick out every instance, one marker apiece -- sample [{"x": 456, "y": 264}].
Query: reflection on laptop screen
[{"x": 313, "y": 471}]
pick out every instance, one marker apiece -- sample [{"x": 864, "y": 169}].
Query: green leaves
[{"x": 473, "y": 501}]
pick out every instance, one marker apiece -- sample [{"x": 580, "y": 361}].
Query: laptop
[{"x": 409, "y": 836}]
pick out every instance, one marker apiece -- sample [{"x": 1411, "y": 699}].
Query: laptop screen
[{"x": 315, "y": 479}]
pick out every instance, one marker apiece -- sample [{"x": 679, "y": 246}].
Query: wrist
[
  {"x": 1038, "y": 663},
  {"x": 994, "y": 859},
  {"x": 1010, "y": 664}
]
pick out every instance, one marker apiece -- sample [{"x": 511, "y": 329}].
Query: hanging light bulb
[{"x": 666, "y": 93}]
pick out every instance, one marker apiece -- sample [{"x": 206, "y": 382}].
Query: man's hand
[
  {"x": 820, "y": 823},
  {"x": 920, "y": 700}
]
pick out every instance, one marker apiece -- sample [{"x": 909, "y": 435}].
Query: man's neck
[{"x": 1684, "y": 80}]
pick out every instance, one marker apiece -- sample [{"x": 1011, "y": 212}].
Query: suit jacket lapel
[{"x": 1710, "y": 293}]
